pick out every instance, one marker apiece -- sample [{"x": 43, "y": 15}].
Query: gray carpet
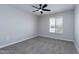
[{"x": 41, "y": 45}]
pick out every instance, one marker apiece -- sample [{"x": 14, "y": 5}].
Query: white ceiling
[{"x": 54, "y": 8}]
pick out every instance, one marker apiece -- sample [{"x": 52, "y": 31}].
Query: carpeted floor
[{"x": 41, "y": 45}]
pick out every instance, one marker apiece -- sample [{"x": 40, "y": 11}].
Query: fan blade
[
  {"x": 46, "y": 9},
  {"x": 35, "y": 7},
  {"x": 35, "y": 11},
  {"x": 45, "y": 5},
  {"x": 40, "y": 5},
  {"x": 41, "y": 12}
]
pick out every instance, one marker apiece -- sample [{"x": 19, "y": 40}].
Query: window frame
[{"x": 55, "y": 24}]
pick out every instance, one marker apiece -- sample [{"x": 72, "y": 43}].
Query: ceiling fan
[{"x": 41, "y": 8}]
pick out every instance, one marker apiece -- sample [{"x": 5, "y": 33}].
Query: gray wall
[
  {"x": 16, "y": 25},
  {"x": 77, "y": 26},
  {"x": 68, "y": 17}
]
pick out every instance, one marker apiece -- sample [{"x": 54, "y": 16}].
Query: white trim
[
  {"x": 32, "y": 36},
  {"x": 76, "y": 45},
  {"x": 55, "y": 38}
]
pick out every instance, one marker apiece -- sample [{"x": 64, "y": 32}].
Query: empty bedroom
[{"x": 39, "y": 28}]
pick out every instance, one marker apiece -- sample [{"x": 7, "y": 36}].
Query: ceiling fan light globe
[{"x": 40, "y": 10}]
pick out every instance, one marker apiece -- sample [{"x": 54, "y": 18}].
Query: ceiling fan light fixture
[{"x": 40, "y": 10}]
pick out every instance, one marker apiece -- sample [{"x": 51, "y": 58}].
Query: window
[
  {"x": 56, "y": 24},
  {"x": 52, "y": 24}
]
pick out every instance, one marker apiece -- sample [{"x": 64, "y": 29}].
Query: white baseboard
[
  {"x": 30, "y": 37},
  {"x": 56, "y": 38},
  {"x": 76, "y": 45}
]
